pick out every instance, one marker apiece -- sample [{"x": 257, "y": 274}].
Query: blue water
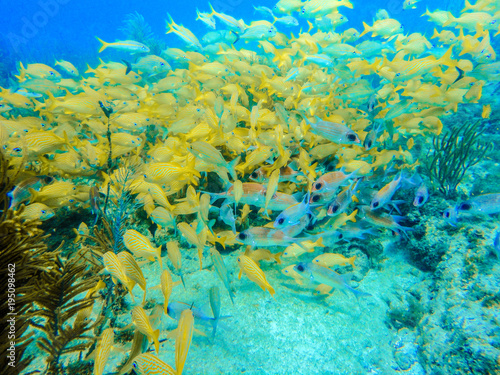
[{"x": 42, "y": 31}]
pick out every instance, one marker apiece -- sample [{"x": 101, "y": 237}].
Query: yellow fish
[
  {"x": 133, "y": 271},
  {"x": 331, "y": 259},
  {"x": 185, "y": 330},
  {"x": 102, "y": 351},
  {"x": 141, "y": 246},
  {"x": 36, "y": 211},
  {"x": 254, "y": 273},
  {"x": 290, "y": 272},
  {"x": 116, "y": 269},
  {"x": 167, "y": 284},
  {"x": 149, "y": 364},
  {"x": 125, "y": 45},
  {"x": 143, "y": 325}
]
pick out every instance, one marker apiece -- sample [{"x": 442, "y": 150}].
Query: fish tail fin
[
  {"x": 231, "y": 167},
  {"x": 450, "y": 20},
  {"x": 427, "y": 13},
  {"x": 447, "y": 60},
  {"x": 22, "y": 73},
  {"x": 53, "y": 101},
  {"x": 351, "y": 260},
  {"x": 104, "y": 44},
  {"x": 158, "y": 254},
  {"x": 467, "y": 7},
  {"x": 156, "y": 335},
  {"x": 212, "y": 10},
  {"x": 366, "y": 30},
  {"x": 129, "y": 66},
  {"x": 347, "y": 4},
  {"x": 170, "y": 24},
  {"x": 359, "y": 293},
  {"x": 270, "y": 289},
  {"x": 435, "y": 34},
  {"x": 34, "y": 194},
  {"x": 277, "y": 257}
]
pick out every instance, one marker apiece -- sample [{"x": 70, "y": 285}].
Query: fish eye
[
  {"x": 315, "y": 198},
  {"x": 254, "y": 175},
  {"x": 162, "y": 64},
  {"x": 17, "y": 149},
  {"x": 242, "y": 236},
  {"x": 134, "y": 364},
  {"x": 43, "y": 211},
  {"x": 375, "y": 204},
  {"x": 334, "y": 208},
  {"x": 465, "y": 206},
  {"x": 300, "y": 268},
  {"x": 398, "y": 74},
  {"x": 341, "y": 236},
  {"x": 318, "y": 185},
  {"x": 446, "y": 215},
  {"x": 420, "y": 199},
  {"x": 51, "y": 73},
  {"x": 351, "y": 137},
  {"x": 369, "y": 144},
  {"x": 281, "y": 221}
]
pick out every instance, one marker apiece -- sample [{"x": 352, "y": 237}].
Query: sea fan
[
  {"x": 55, "y": 294},
  {"x": 136, "y": 28},
  {"x": 453, "y": 154}
]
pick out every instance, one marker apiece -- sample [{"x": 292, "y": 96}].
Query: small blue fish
[{"x": 175, "y": 310}]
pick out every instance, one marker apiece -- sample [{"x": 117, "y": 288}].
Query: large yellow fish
[
  {"x": 254, "y": 273},
  {"x": 141, "y": 321},
  {"x": 141, "y": 246}
]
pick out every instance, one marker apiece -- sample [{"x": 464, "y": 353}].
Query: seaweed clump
[
  {"x": 41, "y": 291},
  {"x": 66, "y": 322},
  {"x": 453, "y": 154}
]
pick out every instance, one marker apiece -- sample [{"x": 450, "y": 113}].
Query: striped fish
[
  {"x": 175, "y": 257},
  {"x": 221, "y": 270},
  {"x": 333, "y": 131},
  {"x": 143, "y": 325},
  {"x": 168, "y": 172},
  {"x": 183, "y": 33},
  {"x": 116, "y": 269},
  {"x": 141, "y": 246},
  {"x": 36, "y": 211},
  {"x": 40, "y": 142},
  {"x": 149, "y": 364},
  {"x": 193, "y": 238},
  {"x": 102, "y": 351},
  {"x": 214, "y": 296},
  {"x": 183, "y": 340},
  {"x": 254, "y": 273},
  {"x": 133, "y": 271},
  {"x": 163, "y": 218},
  {"x": 167, "y": 284}
]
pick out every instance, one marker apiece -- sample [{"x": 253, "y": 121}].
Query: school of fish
[{"x": 309, "y": 133}]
